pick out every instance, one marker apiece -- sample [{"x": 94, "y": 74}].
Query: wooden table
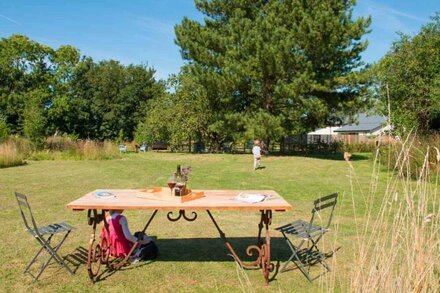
[{"x": 128, "y": 199}]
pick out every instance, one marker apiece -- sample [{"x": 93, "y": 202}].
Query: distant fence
[{"x": 294, "y": 144}]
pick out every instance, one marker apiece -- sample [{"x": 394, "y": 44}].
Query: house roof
[{"x": 365, "y": 123}]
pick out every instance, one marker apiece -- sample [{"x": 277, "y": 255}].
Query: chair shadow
[
  {"x": 77, "y": 258},
  {"x": 310, "y": 259}
]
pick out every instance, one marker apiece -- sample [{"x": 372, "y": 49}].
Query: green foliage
[
  {"x": 68, "y": 94},
  {"x": 25, "y": 67},
  {"x": 109, "y": 99},
  {"x": 177, "y": 118},
  {"x": 4, "y": 131},
  {"x": 287, "y": 60},
  {"x": 34, "y": 121},
  {"x": 411, "y": 71}
]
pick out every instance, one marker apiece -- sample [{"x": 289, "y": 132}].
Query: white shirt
[{"x": 256, "y": 150}]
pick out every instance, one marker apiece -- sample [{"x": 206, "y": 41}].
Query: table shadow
[
  {"x": 193, "y": 250},
  {"x": 214, "y": 249}
]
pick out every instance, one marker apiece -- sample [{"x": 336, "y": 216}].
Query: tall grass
[
  {"x": 67, "y": 148},
  {"x": 16, "y": 149},
  {"x": 92, "y": 150},
  {"x": 422, "y": 148},
  {"x": 397, "y": 249},
  {"x": 10, "y": 155}
]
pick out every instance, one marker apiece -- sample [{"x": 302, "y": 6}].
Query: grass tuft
[{"x": 10, "y": 155}]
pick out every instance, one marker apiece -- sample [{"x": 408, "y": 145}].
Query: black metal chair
[
  {"x": 303, "y": 232},
  {"x": 43, "y": 235}
]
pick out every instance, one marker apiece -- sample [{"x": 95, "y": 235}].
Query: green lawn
[{"x": 192, "y": 257}]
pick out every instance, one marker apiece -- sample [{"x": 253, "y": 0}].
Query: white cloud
[
  {"x": 9, "y": 19},
  {"x": 155, "y": 26},
  {"x": 390, "y": 19}
]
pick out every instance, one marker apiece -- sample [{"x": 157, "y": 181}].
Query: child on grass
[
  {"x": 121, "y": 239},
  {"x": 256, "y": 151}
]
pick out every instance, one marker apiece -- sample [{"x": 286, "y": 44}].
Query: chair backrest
[
  {"x": 26, "y": 212},
  {"x": 324, "y": 203}
]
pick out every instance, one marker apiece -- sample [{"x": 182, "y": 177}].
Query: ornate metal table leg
[
  {"x": 182, "y": 214},
  {"x": 95, "y": 255},
  {"x": 223, "y": 236},
  {"x": 263, "y": 250},
  {"x": 266, "y": 265}
]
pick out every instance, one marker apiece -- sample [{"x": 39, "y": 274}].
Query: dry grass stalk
[
  {"x": 9, "y": 155},
  {"x": 398, "y": 248}
]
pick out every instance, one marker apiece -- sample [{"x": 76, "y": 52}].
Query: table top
[{"x": 127, "y": 199}]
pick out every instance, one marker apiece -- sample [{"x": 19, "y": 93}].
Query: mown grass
[{"x": 192, "y": 257}]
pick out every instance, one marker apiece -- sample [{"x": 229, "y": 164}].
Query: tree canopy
[
  {"x": 410, "y": 75},
  {"x": 43, "y": 90},
  {"x": 270, "y": 68}
]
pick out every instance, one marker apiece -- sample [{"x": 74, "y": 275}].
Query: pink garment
[{"x": 120, "y": 246}]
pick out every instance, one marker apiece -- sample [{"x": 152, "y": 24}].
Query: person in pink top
[{"x": 121, "y": 240}]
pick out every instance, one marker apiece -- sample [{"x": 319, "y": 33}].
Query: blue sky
[{"x": 142, "y": 31}]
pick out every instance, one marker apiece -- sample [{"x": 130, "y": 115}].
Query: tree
[
  {"x": 109, "y": 97},
  {"x": 66, "y": 93},
  {"x": 178, "y": 118},
  {"x": 24, "y": 67},
  {"x": 287, "y": 60},
  {"x": 4, "y": 131},
  {"x": 411, "y": 73},
  {"x": 34, "y": 120}
]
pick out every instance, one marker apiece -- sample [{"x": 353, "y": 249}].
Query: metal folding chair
[
  {"x": 43, "y": 235},
  {"x": 122, "y": 148},
  {"x": 309, "y": 233}
]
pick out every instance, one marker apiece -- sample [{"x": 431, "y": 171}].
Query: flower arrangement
[{"x": 185, "y": 173}]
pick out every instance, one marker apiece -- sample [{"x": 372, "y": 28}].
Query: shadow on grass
[
  {"x": 214, "y": 249},
  {"x": 77, "y": 258},
  {"x": 195, "y": 250}
]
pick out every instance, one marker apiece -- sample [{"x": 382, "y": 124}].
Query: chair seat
[
  {"x": 302, "y": 229},
  {"x": 52, "y": 229}
]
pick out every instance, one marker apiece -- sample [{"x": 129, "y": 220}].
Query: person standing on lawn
[{"x": 256, "y": 151}]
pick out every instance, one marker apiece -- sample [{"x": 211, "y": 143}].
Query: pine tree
[{"x": 286, "y": 61}]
